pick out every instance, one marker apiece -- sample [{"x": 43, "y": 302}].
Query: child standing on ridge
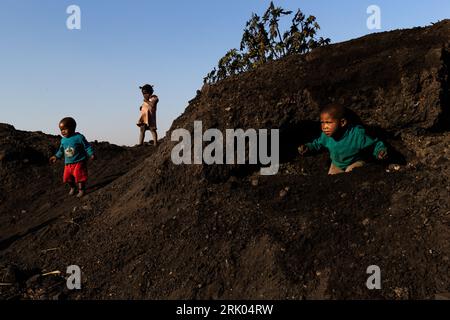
[
  {"x": 147, "y": 120},
  {"x": 75, "y": 149},
  {"x": 344, "y": 141}
]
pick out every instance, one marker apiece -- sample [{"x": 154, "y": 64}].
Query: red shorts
[{"x": 76, "y": 172}]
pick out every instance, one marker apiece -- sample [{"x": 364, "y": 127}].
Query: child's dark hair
[
  {"x": 69, "y": 123},
  {"x": 147, "y": 88},
  {"x": 335, "y": 110}
]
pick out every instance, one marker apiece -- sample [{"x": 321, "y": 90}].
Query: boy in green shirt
[
  {"x": 76, "y": 151},
  {"x": 345, "y": 142}
]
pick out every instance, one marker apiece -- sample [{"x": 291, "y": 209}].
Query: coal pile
[{"x": 152, "y": 230}]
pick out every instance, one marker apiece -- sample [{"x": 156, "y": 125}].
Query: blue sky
[{"x": 48, "y": 72}]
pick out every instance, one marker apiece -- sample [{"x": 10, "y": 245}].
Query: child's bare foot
[
  {"x": 72, "y": 191},
  {"x": 80, "y": 194}
]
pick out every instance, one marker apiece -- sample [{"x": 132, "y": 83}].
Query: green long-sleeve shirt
[
  {"x": 347, "y": 149},
  {"x": 74, "y": 149}
]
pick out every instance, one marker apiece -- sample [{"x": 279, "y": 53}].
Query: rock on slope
[{"x": 162, "y": 231}]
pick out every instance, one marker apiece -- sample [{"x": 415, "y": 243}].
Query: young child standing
[
  {"x": 344, "y": 141},
  {"x": 76, "y": 150},
  {"x": 147, "y": 119}
]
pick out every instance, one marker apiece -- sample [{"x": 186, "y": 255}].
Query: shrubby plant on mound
[{"x": 263, "y": 41}]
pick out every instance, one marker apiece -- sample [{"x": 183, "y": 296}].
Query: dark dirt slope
[
  {"x": 165, "y": 231},
  {"x": 31, "y": 188},
  {"x": 32, "y": 195}
]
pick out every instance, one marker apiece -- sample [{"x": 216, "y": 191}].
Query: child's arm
[
  {"x": 145, "y": 114},
  {"x": 380, "y": 150},
  {"x": 58, "y": 154},
  {"x": 88, "y": 147},
  {"x": 153, "y": 105},
  {"x": 317, "y": 144}
]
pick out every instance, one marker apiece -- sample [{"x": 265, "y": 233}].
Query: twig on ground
[
  {"x": 48, "y": 250},
  {"x": 57, "y": 272}
]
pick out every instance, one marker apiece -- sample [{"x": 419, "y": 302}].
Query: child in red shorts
[{"x": 76, "y": 150}]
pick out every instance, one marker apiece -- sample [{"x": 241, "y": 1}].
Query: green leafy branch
[{"x": 262, "y": 41}]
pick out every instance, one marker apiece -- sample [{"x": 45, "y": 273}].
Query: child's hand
[
  {"x": 302, "y": 150},
  {"x": 53, "y": 160},
  {"x": 92, "y": 158},
  {"x": 382, "y": 155}
]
